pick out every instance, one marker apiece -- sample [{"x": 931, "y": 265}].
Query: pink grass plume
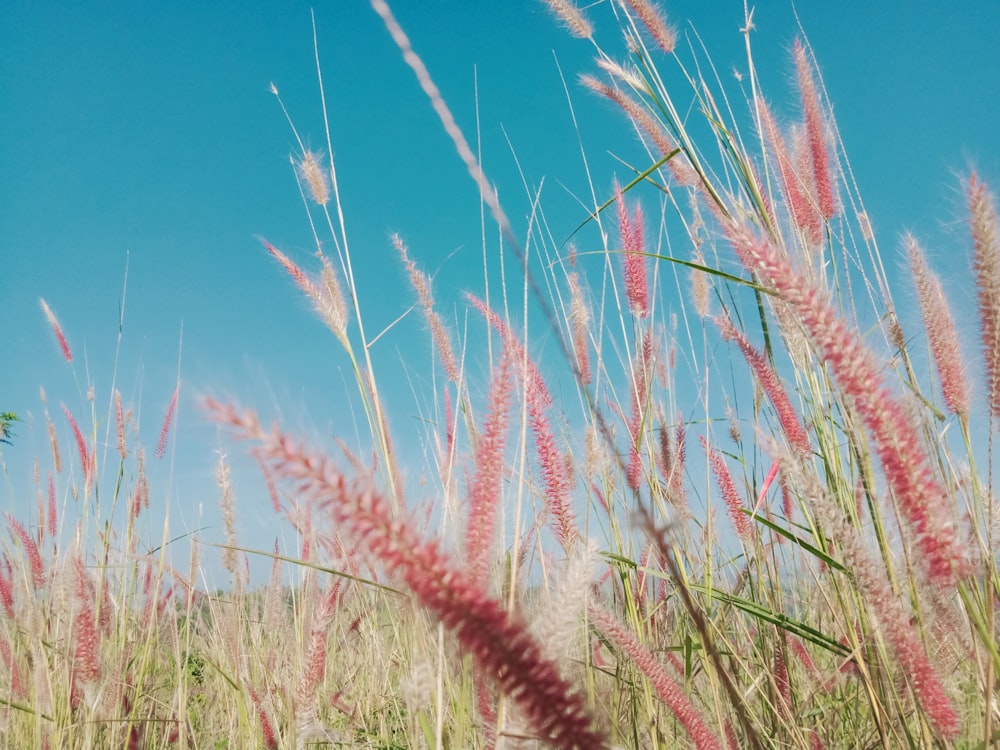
[
  {"x": 161, "y": 444},
  {"x": 572, "y": 17},
  {"x": 486, "y": 487},
  {"x": 268, "y": 735},
  {"x": 87, "y": 640},
  {"x": 772, "y": 385},
  {"x": 421, "y": 284},
  {"x": 638, "y": 398},
  {"x": 652, "y": 18},
  {"x": 7, "y": 587},
  {"x": 86, "y": 459},
  {"x": 730, "y": 495},
  {"x": 298, "y": 276},
  {"x": 532, "y": 375},
  {"x": 497, "y": 640},
  {"x": 57, "y": 330},
  {"x": 120, "y": 426},
  {"x": 669, "y": 691},
  {"x": 579, "y": 315},
  {"x": 10, "y": 661},
  {"x": 941, "y": 332},
  {"x": 815, "y": 132},
  {"x": 858, "y": 373},
  {"x": 894, "y": 619},
  {"x": 30, "y": 550},
  {"x": 986, "y": 265},
  {"x": 538, "y": 399},
  {"x": 803, "y": 210},
  {"x": 52, "y": 506},
  {"x": 633, "y": 259}
]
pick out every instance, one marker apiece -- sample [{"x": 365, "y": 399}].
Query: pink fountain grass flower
[
  {"x": 330, "y": 303},
  {"x": 802, "y": 163},
  {"x": 800, "y": 653},
  {"x": 518, "y": 353},
  {"x": 30, "y": 550},
  {"x": 269, "y": 736},
  {"x": 314, "y": 662},
  {"x": 310, "y": 170},
  {"x": 680, "y": 166},
  {"x": 771, "y": 384},
  {"x": 326, "y": 296},
  {"x": 804, "y": 211},
  {"x": 744, "y": 529},
  {"x": 497, "y": 640},
  {"x": 487, "y": 483},
  {"x": 140, "y": 492},
  {"x": 87, "y": 640},
  {"x": 673, "y": 452},
  {"x": 485, "y": 705},
  {"x": 52, "y": 517},
  {"x": 7, "y": 587},
  {"x": 941, "y": 332},
  {"x": 921, "y": 497},
  {"x": 633, "y": 258},
  {"x": 161, "y": 445},
  {"x": 54, "y": 445},
  {"x": 784, "y": 688},
  {"x": 986, "y": 265},
  {"x": 554, "y": 474},
  {"x": 816, "y": 133},
  {"x": 421, "y": 284},
  {"x": 579, "y": 314},
  {"x": 86, "y": 459},
  {"x": 573, "y": 17},
  {"x": 669, "y": 691},
  {"x": 120, "y": 426},
  {"x": 57, "y": 330},
  {"x": 13, "y": 669},
  {"x": 895, "y": 622},
  {"x": 538, "y": 399},
  {"x": 302, "y": 281},
  {"x": 639, "y": 398},
  {"x": 652, "y": 19}
]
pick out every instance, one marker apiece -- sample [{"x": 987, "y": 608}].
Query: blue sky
[{"x": 146, "y": 132}]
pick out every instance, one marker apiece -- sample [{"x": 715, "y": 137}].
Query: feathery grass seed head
[
  {"x": 941, "y": 332},
  {"x": 633, "y": 257},
  {"x": 652, "y": 18},
  {"x": 310, "y": 169},
  {"x": 816, "y": 133},
  {"x": 986, "y": 264},
  {"x": 572, "y": 17},
  {"x": 57, "y": 330}
]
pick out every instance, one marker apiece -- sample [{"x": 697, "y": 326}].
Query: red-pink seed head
[
  {"x": 941, "y": 332},
  {"x": 816, "y": 133},
  {"x": 633, "y": 258},
  {"x": 652, "y": 18},
  {"x": 161, "y": 445},
  {"x": 986, "y": 264},
  {"x": 57, "y": 330},
  {"x": 572, "y": 17}
]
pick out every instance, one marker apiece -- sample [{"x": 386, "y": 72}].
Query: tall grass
[{"x": 760, "y": 513}]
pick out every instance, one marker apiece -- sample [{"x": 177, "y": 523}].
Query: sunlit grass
[{"x": 743, "y": 508}]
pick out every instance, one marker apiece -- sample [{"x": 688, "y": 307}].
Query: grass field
[{"x": 735, "y": 505}]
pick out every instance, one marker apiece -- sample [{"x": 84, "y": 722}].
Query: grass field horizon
[{"x": 708, "y": 463}]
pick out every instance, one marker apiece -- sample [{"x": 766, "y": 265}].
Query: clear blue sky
[{"x": 148, "y": 130}]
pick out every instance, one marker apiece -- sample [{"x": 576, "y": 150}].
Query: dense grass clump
[{"x": 752, "y": 517}]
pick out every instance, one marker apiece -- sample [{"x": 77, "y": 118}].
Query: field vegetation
[{"x": 738, "y": 503}]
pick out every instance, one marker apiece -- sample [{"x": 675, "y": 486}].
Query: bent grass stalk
[{"x": 876, "y": 571}]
